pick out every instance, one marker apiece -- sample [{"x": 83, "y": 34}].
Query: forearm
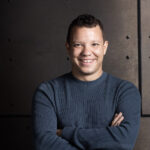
[
  {"x": 118, "y": 118},
  {"x": 117, "y": 138},
  {"x": 50, "y": 141}
]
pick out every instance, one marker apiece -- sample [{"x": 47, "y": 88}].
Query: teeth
[{"x": 87, "y": 61}]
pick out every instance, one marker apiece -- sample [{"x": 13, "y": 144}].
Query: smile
[{"x": 86, "y": 61}]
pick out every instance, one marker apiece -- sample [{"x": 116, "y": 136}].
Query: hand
[
  {"x": 118, "y": 118},
  {"x": 59, "y": 132}
]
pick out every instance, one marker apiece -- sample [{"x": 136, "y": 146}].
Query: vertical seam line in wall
[
  {"x": 139, "y": 47},
  {"x": 140, "y": 53}
]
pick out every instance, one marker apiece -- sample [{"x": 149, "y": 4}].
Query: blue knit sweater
[{"x": 84, "y": 110}]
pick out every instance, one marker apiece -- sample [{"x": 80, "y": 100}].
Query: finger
[
  {"x": 119, "y": 121},
  {"x": 116, "y": 118},
  {"x": 113, "y": 122}
]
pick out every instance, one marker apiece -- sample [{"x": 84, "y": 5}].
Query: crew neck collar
[{"x": 93, "y": 82}]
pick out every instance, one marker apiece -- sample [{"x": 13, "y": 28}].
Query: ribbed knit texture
[{"x": 84, "y": 110}]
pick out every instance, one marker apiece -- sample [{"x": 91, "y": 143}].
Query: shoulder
[
  {"x": 121, "y": 83},
  {"x": 52, "y": 83},
  {"x": 122, "y": 87},
  {"x": 113, "y": 79},
  {"x": 47, "y": 89}
]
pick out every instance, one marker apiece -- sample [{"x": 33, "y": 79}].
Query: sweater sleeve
[
  {"x": 45, "y": 122},
  {"x": 115, "y": 138}
]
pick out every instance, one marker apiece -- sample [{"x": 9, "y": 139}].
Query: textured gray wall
[
  {"x": 145, "y": 44},
  {"x": 32, "y": 50}
]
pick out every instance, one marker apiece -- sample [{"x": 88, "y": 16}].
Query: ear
[
  {"x": 67, "y": 47},
  {"x": 105, "y": 47}
]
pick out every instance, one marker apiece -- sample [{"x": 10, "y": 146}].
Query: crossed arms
[
  {"x": 118, "y": 118},
  {"x": 121, "y": 135}
]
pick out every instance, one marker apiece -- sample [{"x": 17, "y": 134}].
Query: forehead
[{"x": 87, "y": 33}]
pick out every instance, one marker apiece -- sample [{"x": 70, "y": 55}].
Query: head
[
  {"x": 86, "y": 47},
  {"x": 84, "y": 20}
]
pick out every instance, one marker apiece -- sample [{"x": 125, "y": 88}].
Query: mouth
[{"x": 86, "y": 61}]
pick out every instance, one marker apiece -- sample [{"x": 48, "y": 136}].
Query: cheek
[
  {"x": 75, "y": 53},
  {"x": 98, "y": 52}
]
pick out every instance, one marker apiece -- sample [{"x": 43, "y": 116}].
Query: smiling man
[
  {"x": 86, "y": 50},
  {"x": 86, "y": 108}
]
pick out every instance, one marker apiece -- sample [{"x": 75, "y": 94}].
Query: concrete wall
[{"x": 32, "y": 50}]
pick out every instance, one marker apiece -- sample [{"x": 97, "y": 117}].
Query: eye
[
  {"x": 77, "y": 45},
  {"x": 95, "y": 44}
]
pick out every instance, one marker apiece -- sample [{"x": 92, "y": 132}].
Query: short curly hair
[{"x": 84, "y": 20}]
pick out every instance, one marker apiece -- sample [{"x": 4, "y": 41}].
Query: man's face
[{"x": 86, "y": 51}]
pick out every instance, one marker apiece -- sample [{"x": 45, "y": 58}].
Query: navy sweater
[{"x": 84, "y": 111}]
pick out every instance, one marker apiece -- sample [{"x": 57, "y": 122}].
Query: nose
[{"x": 86, "y": 51}]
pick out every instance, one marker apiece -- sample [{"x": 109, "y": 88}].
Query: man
[{"x": 86, "y": 108}]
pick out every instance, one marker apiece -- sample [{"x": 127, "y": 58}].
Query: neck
[{"x": 87, "y": 77}]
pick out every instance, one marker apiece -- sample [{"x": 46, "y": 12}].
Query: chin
[{"x": 87, "y": 72}]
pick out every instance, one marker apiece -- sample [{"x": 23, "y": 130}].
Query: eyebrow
[
  {"x": 77, "y": 42},
  {"x": 90, "y": 42}
]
